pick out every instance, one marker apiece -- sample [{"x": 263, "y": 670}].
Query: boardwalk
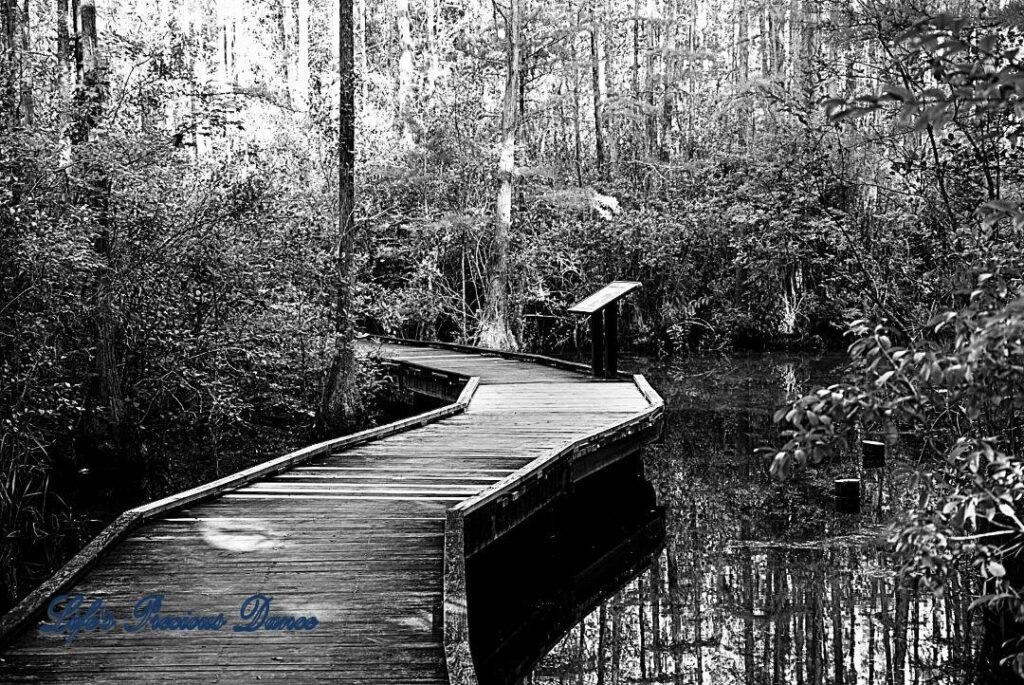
[{"x": 354, "y": 537}]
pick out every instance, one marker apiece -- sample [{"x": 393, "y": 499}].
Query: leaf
[{"x": 988, "y": 599}]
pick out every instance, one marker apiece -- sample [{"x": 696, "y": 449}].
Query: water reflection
[
  {"x": 760, "y": 582},
  {"x": 531, "y": 586}
]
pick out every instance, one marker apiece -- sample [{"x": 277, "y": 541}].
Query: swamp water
[{"x": 759, "y": 582}]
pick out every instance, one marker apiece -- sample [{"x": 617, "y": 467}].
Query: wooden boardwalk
[{"x": 355, "y": 537}]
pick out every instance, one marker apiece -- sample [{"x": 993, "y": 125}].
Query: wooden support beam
[
  {"x": 611, "y": 339},
  {"x": 597, "y": 343}
]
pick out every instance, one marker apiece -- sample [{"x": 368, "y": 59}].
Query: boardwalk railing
[
  {"x": 480, "y": 520},
  {"x": 31, "y": 608},
  {"x": 426, "y": 380}
]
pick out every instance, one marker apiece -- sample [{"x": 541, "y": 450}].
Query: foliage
[
  {"x": 956, "y": 381},
  {"x": 205, "y": 252}
]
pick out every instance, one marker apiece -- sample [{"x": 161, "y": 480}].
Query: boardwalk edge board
[{"x": 34, "y": 604}]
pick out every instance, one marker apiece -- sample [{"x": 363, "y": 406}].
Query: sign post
[
  {"x": 603, "y": 308},
  {"x": 597, "y": 335}
]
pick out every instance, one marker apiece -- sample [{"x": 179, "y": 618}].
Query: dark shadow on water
[{"x": 530, "y": 587}]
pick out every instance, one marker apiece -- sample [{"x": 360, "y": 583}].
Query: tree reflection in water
[{"x": 761, "y": 582}]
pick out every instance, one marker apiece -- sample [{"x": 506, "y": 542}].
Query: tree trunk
[
  {"x": 776, "y": 30},
  {"x": 635, "y": 66},
  {"x": 599, "y": 89},
  {"x": 226, "y": 40},
  {"x": 765, "y": 44},
  {"x": 433, "y": 58},
  {"x": 405, "y": 71},
  {"x": 611, "y": 133},
  {"x": 577, "y": 138},
  {"x": 809, "y": 49},
  {"x": 302, "y": 66},
  {"x": 742, "y": 70},
  {"x": 110, "y": 430},
  {"x": 494, "y": 326},
  {"x": 337, "y": 402},
  {"x": 27, "y": 104},
  {"x": 285, "y": 35},
  {"x": 288, "y": 54},
  {"x": 651, "y": 120},
  {"x": 635, "y": 77},
  {"x": 795, "y": 45},
  {"x": 65, "y": 81},
  {"x": 668, "y": 79},
  {"x": 9, "y": 52}
]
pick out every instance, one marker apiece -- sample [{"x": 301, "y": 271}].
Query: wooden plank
[{"x": 612, "y": 292}]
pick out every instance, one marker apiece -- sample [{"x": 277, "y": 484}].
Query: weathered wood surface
[
  {"x": 355, "y": 537},
  {"x": 612, "y": 292}
]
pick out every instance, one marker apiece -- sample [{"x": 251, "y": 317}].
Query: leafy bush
[
  {"x": 212, "y": 275},
  {"x": 956, "y": 381}
]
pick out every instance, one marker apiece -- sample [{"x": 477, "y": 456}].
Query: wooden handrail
[
  {"x": 461, "y": 670},
  {"x": 603, "y": 309}
]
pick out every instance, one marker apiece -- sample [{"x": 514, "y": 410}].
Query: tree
[
  {"x": 337, "y": 401},
  {"x": 302, "y": 70},
  {"x": 433, "y": 58},
  {"x": 287, "y": 36},
  {"x": 600, "y": 88},
  {"x": 494, "y": 326},
  {"x": 65, "y": 79},
  {"x": 106, "y": 411},
  {"x": 9, "y": 52},
  {"x": 26, "y": 100},
  {"x": 405, "y": 72},
  {"x": 742, "y": 66}
]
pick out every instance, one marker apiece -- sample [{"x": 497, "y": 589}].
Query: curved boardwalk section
[{"x": 354, "y": 536}]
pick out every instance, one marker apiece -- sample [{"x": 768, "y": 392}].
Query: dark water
[
  {"x": 761, "y": 582},
  {"x": 532, "y": 585}
]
